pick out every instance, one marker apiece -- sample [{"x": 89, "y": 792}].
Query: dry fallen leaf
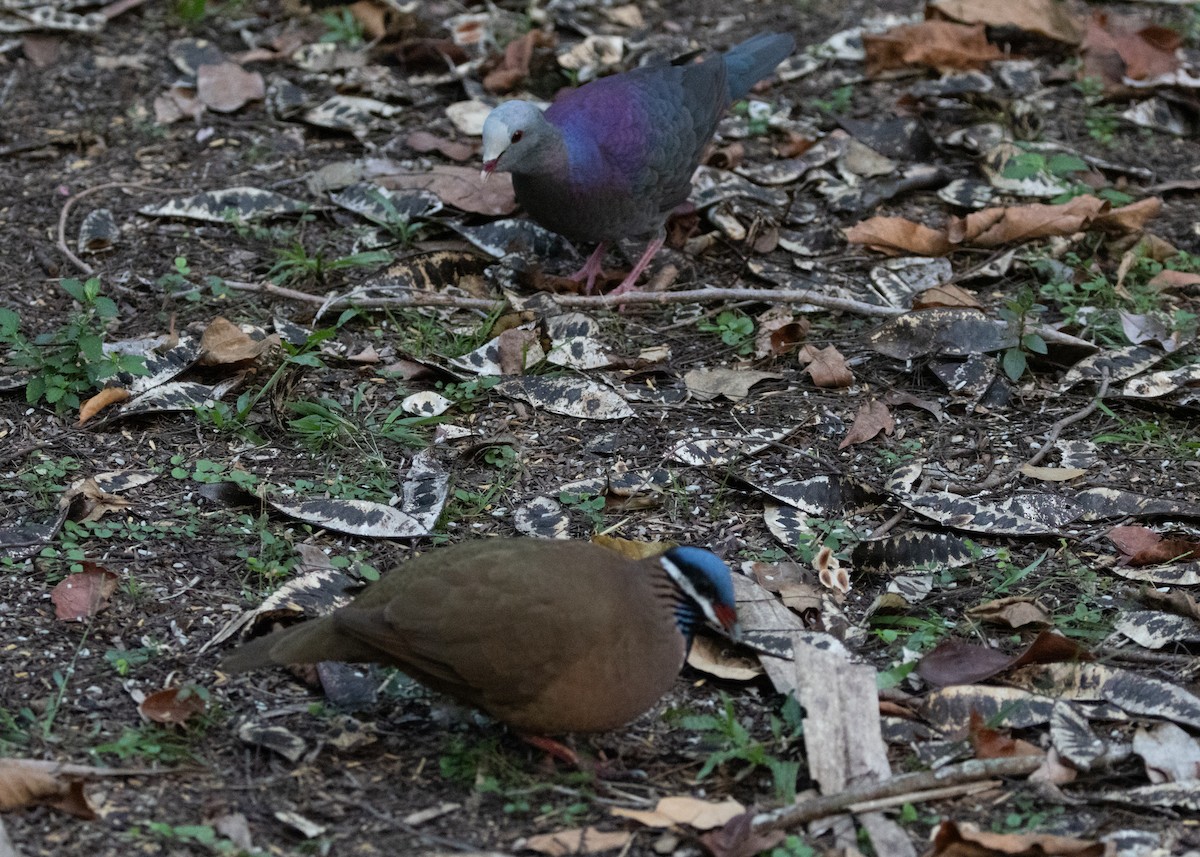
[
  {"x": 1048, "y": 18},
  {"x": 24, "y": 783},
  {"x": 955, "y": 840},
  {"x": 80, "y": 596},
  {"x": 937, "y": 44},
  {"x": 225, "y": 87},
  {"x": 896, "y": 236},
  {"x": 694, "y": 812},
  {"x": 991, "y": 743},
  {"x": 872, "y": 418},
  {"x": 173, "y": 705},
  {"x": 224, "y": 342},
  {"x": 579, "y": 840},
  {"x": 710, "y": 656},
  {"x": 425, "y": 141},
  {"x": 945, "y": 295},
  {"x": 826, "y": 366},
  {"x": 100, "y": 401},
  {"x": 1016, "y": 611},
  {"x": 460, "y": 187},
  {"x": 1116, "y": 47}
]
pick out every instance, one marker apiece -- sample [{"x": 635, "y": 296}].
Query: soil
[{"x": 187, "y": 565}]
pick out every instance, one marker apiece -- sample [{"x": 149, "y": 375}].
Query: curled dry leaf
[
  {"x": 993, "y": 744},
  {"x": 830, "y": 571},
  {"x": 872, "y": 418},
  {"x": 937, "y": 44},
  {"x": 100, "y": 401},
  {"x": 81, "y": 596},
  {"x": 224, "y": 343},
  {"x": 1015, "y": 612},
  {"x": 708, "y": 655},
  {"x": 227, "y": 86},
  {"x": 1117, "y": 47},
  {"x": 173, "y": 705},
  {"x": 955, "y": 839},
  {"x": 514, "y": 65},
  {"x": 897, "y": 236},
  {"x": 24, "y": 783},
  {"x": 694, "y": 812},
  {"x": 826, "y": 366},
  {"x": 579, "y": 840},
  {"x": 945, "y": 295},
  {"x": 424, "y": 141}
]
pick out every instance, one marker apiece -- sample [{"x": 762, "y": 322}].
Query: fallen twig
[
  {"x": 686, "y": 296},
  {"x": 922, "y": 785},
  {"x": 83, "y": 266}
]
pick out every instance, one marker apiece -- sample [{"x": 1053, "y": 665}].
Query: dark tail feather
[
  {"x": 748, "y": 63},
  {"x": 306, "y": 643}
]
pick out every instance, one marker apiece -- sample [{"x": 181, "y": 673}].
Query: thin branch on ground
[
  {"x": 909, "y": 786},
  {"x": 998, "y": 479},
  {"x": 686, "y": 296},
  {"x": 86, "y": 269}
]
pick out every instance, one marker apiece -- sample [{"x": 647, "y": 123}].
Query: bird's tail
[
  {"x": 306, "y": 643},
  {"x": 748, "y": 63}
]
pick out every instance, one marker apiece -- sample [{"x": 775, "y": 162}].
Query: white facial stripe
[{"x": 684, "y": 583}]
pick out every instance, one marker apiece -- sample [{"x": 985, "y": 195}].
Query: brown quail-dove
[{"x": 546, "y": 636}]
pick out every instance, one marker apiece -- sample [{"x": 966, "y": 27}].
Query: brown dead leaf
[
  {"x": 777, "y": 332},
  {"x": 897, "y": 236},
  {"x": 872, "y": 418},
  {"x": 100, "y": 401},
  {"x": 23, "y": 784},
  {"x": 425, "y": 141},
  {"x": 578, "y": 840},
  {"x": 80, "y": 596},
  {"x": 174, "y": 705},
  {"x": 733, "y": 384},
  {"x": 1141, "y": 546},
  {"x": 1176, "y": 601},
  {"x": 1049, "y": 18},
  {"x": 936, "y": 44},
  {"x": 226, "y": 87},
  {"x": 1115, "y": 47},
  {"x": 1016, "y": 611},
  {"x": 826, "y": 366},
  {"x": 992, "y": 227},
  {"x": 460, "y": 187},
  {"x": 738, "y": 838},
  {"x": 954, "y": 840},
  {"x": 514, "y": 65},
  {"x": 178, "y": 102},
  {"x": 372, "y": 16},
  {"x": 89, "y": 502},
  {"x": 694, "y": 812},
  {"x": 1129, "y": 218},
  {"x": 955, "y": 661},
  {"x": 1167, "y": 279},
  {"x": 947, "y": 294},
  {"x": 514, "y": 346},
  {"x": 709, "y": 655},
  {"x": 1052, "y": 474},
  {"x": 224, "y": 342},
  {"x": 991, "y": 743}
]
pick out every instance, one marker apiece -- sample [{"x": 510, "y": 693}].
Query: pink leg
[
  {"x": 627, "y": 285},
  {"x": 591, "y": 268}
]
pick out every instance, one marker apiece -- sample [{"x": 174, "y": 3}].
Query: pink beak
[{"x": 488, "y": 168}]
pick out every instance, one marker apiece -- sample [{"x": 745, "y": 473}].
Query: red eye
[{"x": 517, "y": 135}]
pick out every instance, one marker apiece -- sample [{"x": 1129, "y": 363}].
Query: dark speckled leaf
[
  {"x": 542, "y": 518},
  {"x": 1120, "y": 363},
  {"x": 908, "y": 552},
  {"x": 941, "y": 331},
  {"x": 568, "y": 396},
  {"x": 356, "y": 517},
  {"x": 216, "y": 206}
]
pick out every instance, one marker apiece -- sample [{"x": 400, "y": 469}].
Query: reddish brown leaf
[
  {"x": 1116, "y": 47},
  {"x": 955, "y": 661},
  {"x": 460, "y": 187},
  {"x": 826, "y": 366},
  {"x": 873, "y": 417},
  {"x": 173, "y": 705},
  {"x": 227, "y": 86},
  {"x": 424, "y": 141},
  {"x": 514, "y": 65},
  {"x": 1131, "y": 540},
  {"x": 83, "y": 595},
  {"x": 25, "y": 784},
  {"x": 100, "y": 401},
  {"x": 896, "y": 235},
  {"x": 937, "y": 44},
  {"x": 947, "y": 294},
  {"x": 955, "y": 841},
  {"x": 993, "y": 744}
]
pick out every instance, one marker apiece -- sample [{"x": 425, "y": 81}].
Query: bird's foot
[
  {"x": 601, "y": 768},
  {"x": 629, "y": 284},
  {"x": 591, "y": 269}
]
